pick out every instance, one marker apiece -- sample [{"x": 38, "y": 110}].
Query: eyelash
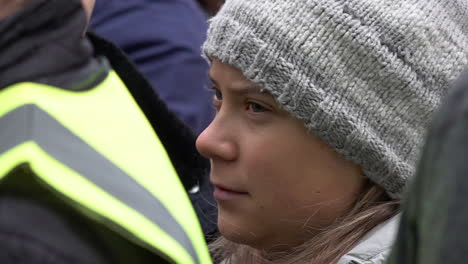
[
  {"x": 217, "y": 94},
  {"x": 251, "y": 104},
  {"x": 218, "y": 98}
]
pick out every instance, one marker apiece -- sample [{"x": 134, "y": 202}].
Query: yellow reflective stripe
[
  {"x": 139, "y": 153},
  {"x": 71, "y": 151},
  {"x": 91, "y": 197}
]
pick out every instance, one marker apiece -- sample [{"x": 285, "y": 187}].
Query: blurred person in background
[
  {"x": 92, "y": 163},
  {"x": 322, "y": 107},
  {"x": 433, "y": 227},
  {"x": 163, "y": 39}
]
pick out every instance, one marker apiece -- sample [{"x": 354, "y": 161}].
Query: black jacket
[
  {"x": 44, "y": 44},
  {"x": 433, "y": 227}
]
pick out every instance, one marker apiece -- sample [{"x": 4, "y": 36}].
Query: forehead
[
  {"x": 224, "y": 72},
  {"x": 228, "y": 77}
]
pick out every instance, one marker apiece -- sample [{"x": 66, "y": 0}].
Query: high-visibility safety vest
[{"x": 97, "y": 148}]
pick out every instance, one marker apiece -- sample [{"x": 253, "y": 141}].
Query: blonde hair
[{"x": 372, "y": 208}]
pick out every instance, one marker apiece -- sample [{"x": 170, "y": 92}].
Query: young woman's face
[{"x": 276, "y": 184}]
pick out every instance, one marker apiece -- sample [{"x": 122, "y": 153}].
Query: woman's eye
[
  {"x": 218, "y": 95},
  {"x": 217, "y": 99},
  {"x": 256, "y": 108}
]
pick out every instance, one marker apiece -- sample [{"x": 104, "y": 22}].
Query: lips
[{"x": 225, "y": 193}]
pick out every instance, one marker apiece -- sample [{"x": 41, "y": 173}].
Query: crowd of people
[{"x": 233, "y": 132}]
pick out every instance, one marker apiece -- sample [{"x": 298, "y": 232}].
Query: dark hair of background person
[{"x": 211, "y": 7}]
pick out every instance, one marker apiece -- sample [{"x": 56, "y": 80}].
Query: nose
[{"x": 218, "y": 141}]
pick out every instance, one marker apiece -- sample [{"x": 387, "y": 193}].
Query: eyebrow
[{"x": 244, "y": 89}]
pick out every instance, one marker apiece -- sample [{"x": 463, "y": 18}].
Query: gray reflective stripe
[{"x": 30, "y": 123}]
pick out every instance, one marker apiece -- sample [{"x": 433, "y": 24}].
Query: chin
[
  {"x": 238, "y": 225},
  {"x": 243, "y": 236},
  {"x": 237, "y": 233}
]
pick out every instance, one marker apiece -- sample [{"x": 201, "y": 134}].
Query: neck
[{"x": 11, "y": 7}]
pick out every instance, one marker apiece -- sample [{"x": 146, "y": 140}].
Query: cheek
[
  {"x": 289, "y": 206},
  {"x": 276, "y": 179},
  {"x": 293, "y": 181}
]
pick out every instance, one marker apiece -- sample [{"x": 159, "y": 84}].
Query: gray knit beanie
[{"x": 364, "y": 75}]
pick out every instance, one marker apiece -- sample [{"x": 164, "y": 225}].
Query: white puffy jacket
[{"x": 374, "y": 247}]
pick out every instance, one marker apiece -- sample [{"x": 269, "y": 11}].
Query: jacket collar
[
  {"x": 376, "y": 245},
  {"x": 44, "y": 41}
]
